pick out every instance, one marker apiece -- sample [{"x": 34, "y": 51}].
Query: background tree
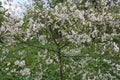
[{"x": 2, "y": 12}]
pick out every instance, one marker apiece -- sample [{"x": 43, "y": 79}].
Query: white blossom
[
  {"x": 117, "y": 66},
  {"x": 25, "y": 72},
  {"x": 49, "y": 61},
  {"x": 20, "y": 63},
  {"x": 116, "y": 48}
]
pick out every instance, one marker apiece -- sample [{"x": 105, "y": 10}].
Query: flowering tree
[
  {"x": 68, "y": 29},
  {"x": 1, "y": 19}
]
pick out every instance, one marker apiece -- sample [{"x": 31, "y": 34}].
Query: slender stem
[
  {"x": 60, "y": 64},
  {"x": 58, "y": 52}
]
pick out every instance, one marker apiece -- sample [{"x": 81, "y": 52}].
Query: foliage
[
  {"x": 1, "y": 14},
  {"x": 79, "y": 42}
]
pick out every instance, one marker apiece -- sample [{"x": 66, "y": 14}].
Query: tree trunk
[{"x": 60, "y": 64}]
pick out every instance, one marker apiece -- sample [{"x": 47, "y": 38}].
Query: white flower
[
  {"x": 20, "y": 63},
  {"x": 73, "y": 7},
  {"x": 13, "y": 70},
  {"x": 106, "y": 36},
  {"x": 117, "y": 66},
  {"x": 8, "y": 63},
  {"x": 62, "y": 16},
  {"x": 95, "y": 32},
  {"x": 6, "y": 69},
  {"x": 108, "y": 61},
  {"x": 92, "y": 17},
  {"x": 79, "y": 14},
  {"x": 25, "y": 71},
  {"x": 87, "y": 4},
  {"x": 16, "y": 62},
  {"x": 116, "y": 48},
  {"x": 49, "y": 61},
  {"x": 73, "y": 32}
]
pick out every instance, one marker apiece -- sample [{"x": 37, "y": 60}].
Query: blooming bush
[{"x": 67, "y": 39}]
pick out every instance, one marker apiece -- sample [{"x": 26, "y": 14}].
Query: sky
[
  {"x": 15, "y": 7},
  {"x": 18, "y": 6}
]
